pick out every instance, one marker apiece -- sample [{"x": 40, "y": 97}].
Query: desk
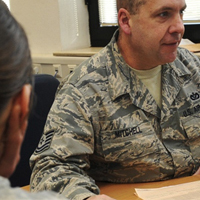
[
  {"x": 127, "y": 191},
  {"x": 87, "y": 52},
  {"x": 27, "y": 188}
]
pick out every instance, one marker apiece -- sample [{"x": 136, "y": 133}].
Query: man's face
[{"x": 156, "y": 30}]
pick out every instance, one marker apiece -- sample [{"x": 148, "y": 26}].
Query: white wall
[{"x": 53, "y": 25}]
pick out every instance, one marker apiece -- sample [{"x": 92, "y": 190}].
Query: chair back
[{"x": 45, "y": 87}]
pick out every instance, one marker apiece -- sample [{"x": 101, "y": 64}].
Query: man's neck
[{"x": 133, "y": 58}]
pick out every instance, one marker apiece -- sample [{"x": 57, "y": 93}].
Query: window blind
[
  {"x": 108, "y": 12},
  {"x": 192, "y": 12}
]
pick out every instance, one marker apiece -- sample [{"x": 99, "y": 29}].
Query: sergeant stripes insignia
[{"x": 45, "y": 142}]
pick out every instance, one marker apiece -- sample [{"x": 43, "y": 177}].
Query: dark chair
[{"x": 45, "y": 87}]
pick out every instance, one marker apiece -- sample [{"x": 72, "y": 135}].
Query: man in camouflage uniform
[{"x": 108, "y": 124}]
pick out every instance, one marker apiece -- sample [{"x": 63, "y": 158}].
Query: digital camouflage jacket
[{"x": 105, "y": 125}]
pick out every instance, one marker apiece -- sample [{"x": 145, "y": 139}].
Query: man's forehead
[{"x": 165, "y": 4}]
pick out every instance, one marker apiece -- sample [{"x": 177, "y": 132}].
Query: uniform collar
[
  {"x": 119, "y": 76},
  {"x": 179, "y": 67},
  {"x": 123, "y": 81}
]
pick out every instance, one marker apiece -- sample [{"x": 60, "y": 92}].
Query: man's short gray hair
[{"x": 132, "y": 6}]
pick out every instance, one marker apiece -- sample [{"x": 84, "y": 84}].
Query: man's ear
[{"x": 123, "y": 20}]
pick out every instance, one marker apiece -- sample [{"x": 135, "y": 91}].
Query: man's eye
[
  {"x": 164, "y": 14},
  {"x": 182, "y": 12}
]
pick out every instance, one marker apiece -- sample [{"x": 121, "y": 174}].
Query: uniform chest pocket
[
  {"x": 191, "y": 124},
  {"x": 129, "y": 144}
]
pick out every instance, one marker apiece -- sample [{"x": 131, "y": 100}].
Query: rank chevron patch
[{"x": 45, "y": 142}]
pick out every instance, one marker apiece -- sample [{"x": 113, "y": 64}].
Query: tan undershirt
[{"x": 152, "y": 80}]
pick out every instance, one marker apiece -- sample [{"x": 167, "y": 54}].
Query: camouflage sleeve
[{"x": 62, "y": 156}]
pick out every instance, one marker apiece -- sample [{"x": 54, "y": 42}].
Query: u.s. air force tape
[{"x": 45, "y": 142}]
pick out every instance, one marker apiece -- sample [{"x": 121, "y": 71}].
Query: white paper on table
[{"x": 185, "y": 191}]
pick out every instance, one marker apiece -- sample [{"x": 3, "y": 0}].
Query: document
[{"x": 185, "y": 191}]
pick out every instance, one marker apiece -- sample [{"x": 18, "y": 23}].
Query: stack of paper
[{"x": 185, "y": 191}]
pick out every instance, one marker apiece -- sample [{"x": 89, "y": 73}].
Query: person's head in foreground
[{"x": 15, "y": 89}]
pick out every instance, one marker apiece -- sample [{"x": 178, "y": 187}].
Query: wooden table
[
  {"x": 127, "y": 191},
  {"x": 87, "y": 52}
]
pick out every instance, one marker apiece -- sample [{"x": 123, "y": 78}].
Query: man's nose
[{"x": 177, "y": 25}]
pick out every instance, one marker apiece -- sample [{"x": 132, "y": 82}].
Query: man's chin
[{"x": 170, "y": 57}]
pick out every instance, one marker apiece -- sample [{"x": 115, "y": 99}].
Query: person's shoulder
[
  {"x": 188, "y": 59},
  {"x": 7, "y": 192},
  {"x": 186, "y": 56},
  {"x": 183, "y": 52},
  {"x": 94, "y": 67}
]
